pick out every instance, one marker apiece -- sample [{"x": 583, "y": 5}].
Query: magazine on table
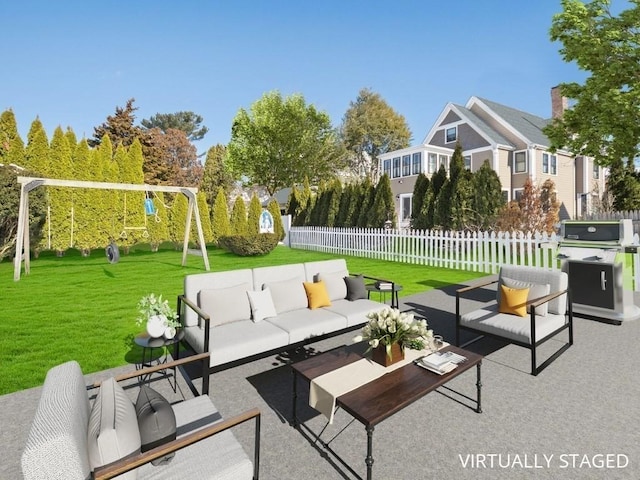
[{"x": 441, "y": 362}]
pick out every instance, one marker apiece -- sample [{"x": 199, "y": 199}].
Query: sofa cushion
[
  {"x": 355, "y": 287},
  {"x": 317, "y": 295},
  {"x": 113, "y": 428},
  {"x": 513, "y": 300},
  {"x": 336, "y": 286},
  {"x": 355, "y": 311},
  {"x": 287, "y": 295},
  {"x": 304, "y": 324},
  {"x": 557, "y": 280},
  {"x": 535, "y": 291},
  {"x": 261, "y": 304},
  {"x": 226, "y": 304},
  {"x": 156, "y": 422}
]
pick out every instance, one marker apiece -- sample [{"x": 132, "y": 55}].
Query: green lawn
[{"x": 84, "y": 308}]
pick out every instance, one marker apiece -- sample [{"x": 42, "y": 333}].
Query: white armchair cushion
[
  {"x": 336, "y": 286},
  {"x": 535, "y": 291},
  {"x": 288, "y": 295},
  {"x": 113, "y": 427}
]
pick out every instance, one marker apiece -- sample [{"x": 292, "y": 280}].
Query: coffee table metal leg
[
  {"x": 369, "y": 459},
  {"x": 479, "y": 386}
]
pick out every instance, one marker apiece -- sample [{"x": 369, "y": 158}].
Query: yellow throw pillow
[
  {"x": 513, "y": 301},
  {"x": 317, "y": 294}
]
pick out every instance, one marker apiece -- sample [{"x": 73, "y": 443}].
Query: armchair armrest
[
  {"x": 201, "y": 357},
  {"x": 182, "y": 299},
  {"x": 476, "y": 285},
  {"x": 547, "y": 298},
  {"x": 136, "y": 460}
]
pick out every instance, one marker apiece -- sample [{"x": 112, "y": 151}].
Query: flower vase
[
  {"x": 170, "y": 332},
  {"x": 379, "y": 354},
  {"x": 156, "y": 325}
]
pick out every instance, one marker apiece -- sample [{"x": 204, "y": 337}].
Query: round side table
[
  {"x": 149, "y": 344},
  {"x": 372, "y": 287}
]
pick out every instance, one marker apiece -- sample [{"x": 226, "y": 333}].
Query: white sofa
[
  {"x": 218, "y": 318},
  {"x": 74, "y": 438}
]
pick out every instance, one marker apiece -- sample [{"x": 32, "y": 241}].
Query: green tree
[
  {"x": 382, "y": 209},
  {"x": 369, "y": 196},
  {"x": 238, "y": 218},
  {"x": 430, "y": 205},
  {"x": 120, "y": 127},
  {"x": 220, "y": 223},
  {"x": 603, "y": 122},
  {"x": 11, "y": 145},
  {"x": 60, "y": 197},
  {"x": 37, "y": 150},
  {"x": 281, "y": 140},
  {"x": 459, "y": 194},
  {"x": 178, "y": 220},
  {"x": 215, "y": 174},
  {"x": 205, "y": 220},
  {"x": 84, "y": 200},
  {"x": 624, "y": 186},
  {"x": 487, "y": 197},
  {"x": 370, "y": 127},
  {"x": 278, "y": 227},
  {"x": 189, "y": 122},
  {"x": 253, "y": 215},
  {"x": 420, "y": 189},
  {"x": 158, "y": 224}
]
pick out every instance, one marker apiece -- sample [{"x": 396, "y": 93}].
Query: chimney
[{"x": 558, "y": 103}]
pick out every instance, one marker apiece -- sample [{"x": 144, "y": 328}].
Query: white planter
[
  {"x": 156, "y": 325},
  {"x": 169, "y": 332}
]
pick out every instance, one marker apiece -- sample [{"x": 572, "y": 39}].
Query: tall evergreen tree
[
  {"x": 11, "y": 145},
  {"x": 221, "y": 226},
  {"x": 178, "y": 220},
  {"x": 84, "y": 200},
  {"x": 253, "y": 216},
  {"x": 382, "y": 209},
  {"x": 158, "y": 224},
  {"x": 37, "y": 151},
  {"x": 239, "y": 217},
  {"x": 418, "y": 220},
  {"x": 487, "y": 197},
  {"x": 60, "y": 198},
  {"x": 205, "y": 220},
  {"x": 278, "y": 227},
  {"x": 369, "y": 195},
  {"x": 437, "y": 182},
  {"x": 215, "y": 173}
]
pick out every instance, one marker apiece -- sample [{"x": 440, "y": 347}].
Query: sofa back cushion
[
  {"x": 332, "y": 272},
  {"x": 57, "y": 443},
  {"x": 211, "y": 280},
  {"x": 288, "y": 295},
  {"x": 226, "y": 305},
  {"x": 556, "y": 279},
  {"x": 113, "y": 427}
]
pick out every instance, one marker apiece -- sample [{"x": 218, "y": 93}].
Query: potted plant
[
  {"x": 158, "y": 317},
  {"x": 389, "y": 331}
]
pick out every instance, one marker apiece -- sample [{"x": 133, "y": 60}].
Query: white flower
[
  {"x": 374, "y": 342},
  {"x": 357, "y": 339}
]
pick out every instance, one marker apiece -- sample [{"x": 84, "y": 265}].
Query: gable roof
[
  {"x": 494, "y": 136},
  {"x": 527, "y": 125}
]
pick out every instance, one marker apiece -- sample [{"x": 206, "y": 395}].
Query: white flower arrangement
[
  {"x": 390, "y": 325},
  {"x": 150, "y": 305}
]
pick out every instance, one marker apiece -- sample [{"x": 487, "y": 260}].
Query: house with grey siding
[{"x": 514, "y": 144}]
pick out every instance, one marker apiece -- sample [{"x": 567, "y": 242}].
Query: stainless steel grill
[{"x": 592, "y": 254}]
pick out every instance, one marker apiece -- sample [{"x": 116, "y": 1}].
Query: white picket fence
[{"x": 471, "y": 251}]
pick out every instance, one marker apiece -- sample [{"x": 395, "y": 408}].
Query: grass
[{"x": 84, "y": 308}]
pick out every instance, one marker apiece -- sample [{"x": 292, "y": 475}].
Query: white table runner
[{"x": 324, "y": 389}]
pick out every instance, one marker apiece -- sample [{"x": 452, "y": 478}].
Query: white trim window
[
  {"x": 596, "y": 171},
  {"x": 396, "y": 167},
  {"x": 517, "y": 194},
  {"x": 553, "y": 167},
  {"x": 505, "y": 195},
  {"x": 386, "y": 167},
  {"x": 433, "y": 163},
  {"x": 416, "y": 167},
  {"x": 406, "y": 165},
  {"x": 450, "y": 134},
  {"x": 467, "y": 162},
  {"x": 549, "y": 164},
  {"x": 444, "y": 160},
  {"x": 520, "y": 162},
  {"x": 405, "y": 207}
]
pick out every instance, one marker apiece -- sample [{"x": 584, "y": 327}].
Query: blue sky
[{"x": 71, "y": 63}]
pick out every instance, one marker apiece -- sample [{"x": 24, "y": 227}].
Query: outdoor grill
[{"x": 593, "y": 255}]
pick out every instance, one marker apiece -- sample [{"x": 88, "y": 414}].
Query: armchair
[
  {"x": 59, "y": 443},
  {"x": 548, "y": 305}
]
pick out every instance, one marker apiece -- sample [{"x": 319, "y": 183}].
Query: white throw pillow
[
  {"x": 113, "y": 427},
  {"x": 288, "y": 295},
  {"x": 226, "y": 305},
  {"x": 535, "y": 291},
  {"x": 261, "y": 304}
]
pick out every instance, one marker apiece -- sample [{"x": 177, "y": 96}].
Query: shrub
[{"x": 249, "y": 245}]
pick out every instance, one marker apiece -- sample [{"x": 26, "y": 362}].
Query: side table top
[{"x": 145, "y": 340}]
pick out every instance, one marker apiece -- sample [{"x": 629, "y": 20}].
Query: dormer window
[{"x": 451, "y": 134}]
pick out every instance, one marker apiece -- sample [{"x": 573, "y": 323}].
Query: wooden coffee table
[{"x": 376, "y": 401}]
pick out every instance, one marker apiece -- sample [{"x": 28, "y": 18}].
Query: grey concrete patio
[{"x": 579, "y": 419}]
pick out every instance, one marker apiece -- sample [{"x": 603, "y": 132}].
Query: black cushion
[
  {"x": 355, "y": 287},
  {"x": 156, "y": 421}
]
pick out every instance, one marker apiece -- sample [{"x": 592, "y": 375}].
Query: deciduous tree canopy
[{"x": 604, "y": 122}]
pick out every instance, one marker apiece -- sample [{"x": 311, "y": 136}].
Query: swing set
[{"x": 29, "y": 183}]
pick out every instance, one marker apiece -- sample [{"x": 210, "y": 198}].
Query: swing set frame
[{"x": 29, "y": 183}]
